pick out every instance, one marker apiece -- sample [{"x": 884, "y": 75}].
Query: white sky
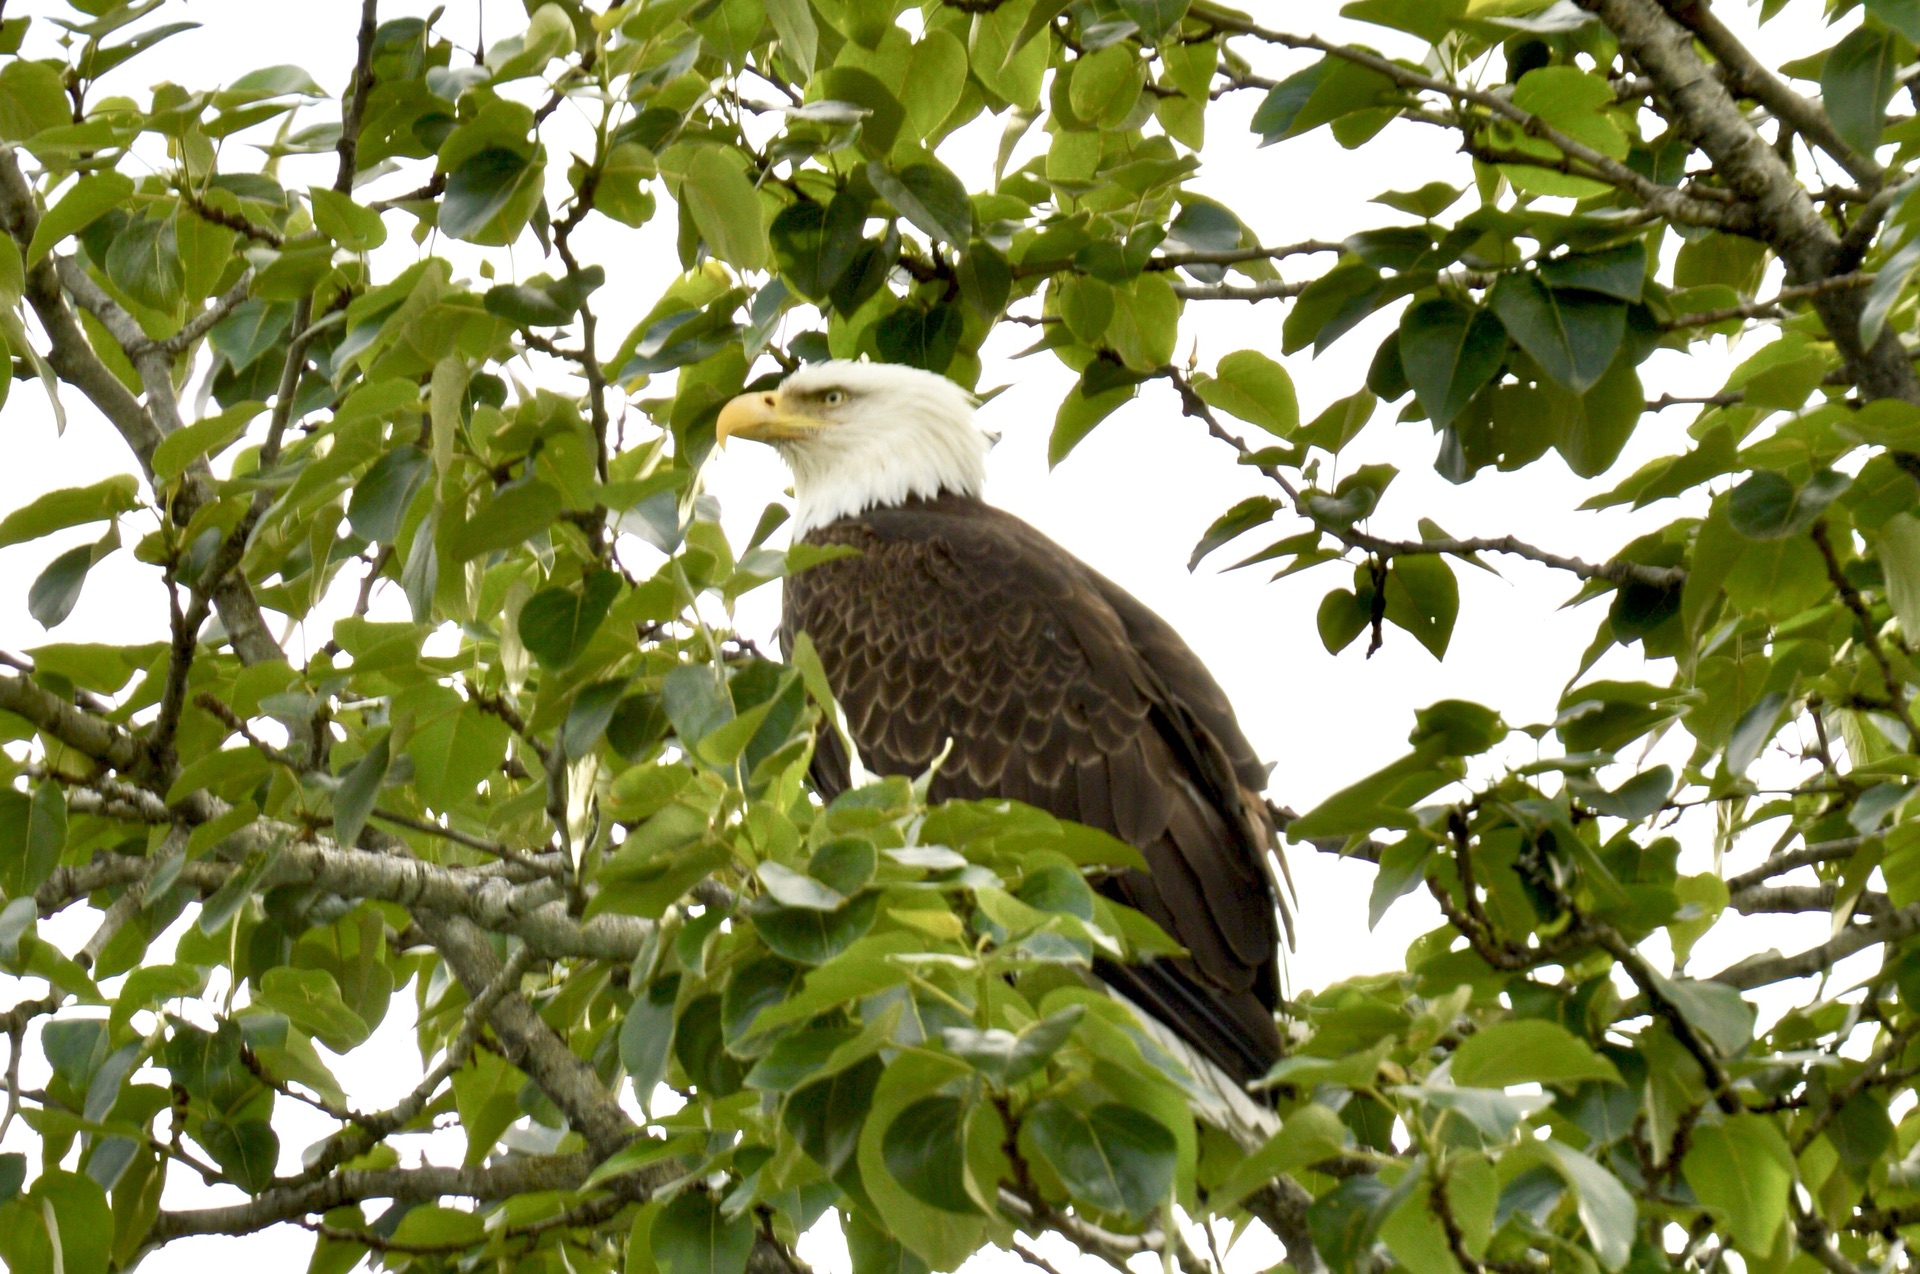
[{"x": 1131, "y": 501}]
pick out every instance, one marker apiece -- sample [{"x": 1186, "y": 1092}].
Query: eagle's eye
[{"x": 834, "y": 397}]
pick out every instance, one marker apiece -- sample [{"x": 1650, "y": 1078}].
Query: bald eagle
[{"x": 957, "y": 621}]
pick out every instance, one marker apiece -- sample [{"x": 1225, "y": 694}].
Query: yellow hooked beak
[{"x": 759, "y": 417}]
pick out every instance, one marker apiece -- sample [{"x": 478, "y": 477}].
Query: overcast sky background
[{"x": 1131, "y": 501}]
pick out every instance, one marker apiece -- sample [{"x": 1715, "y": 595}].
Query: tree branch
[
  {"x": 1783, "y": 213},
  {"x": 1617, "y": 571},
  {"x": 528, "y": 1041},
  {"x": 357, "y": 92},
  {"x": 1748, "y": 75},
  {"x": 1665, "y": 200},
  {"x": 499, "y": 1180}
]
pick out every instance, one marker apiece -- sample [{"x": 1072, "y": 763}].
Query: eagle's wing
[{"x": 958, "y": 621}]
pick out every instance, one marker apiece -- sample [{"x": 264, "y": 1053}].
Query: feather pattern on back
[{"x": 958, "y": 620}]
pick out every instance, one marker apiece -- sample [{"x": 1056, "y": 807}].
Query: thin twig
[
  {"x": 1771, "y": 307},
  {"x": 1617, "y": 571}
]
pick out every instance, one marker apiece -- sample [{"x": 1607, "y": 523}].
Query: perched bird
[{"x": 958, "y": 621}]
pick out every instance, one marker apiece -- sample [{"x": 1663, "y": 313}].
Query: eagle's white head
[{"x": 861, "y": 435}]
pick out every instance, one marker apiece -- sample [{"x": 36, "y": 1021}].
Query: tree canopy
[{"x": 679, "y": 1008}]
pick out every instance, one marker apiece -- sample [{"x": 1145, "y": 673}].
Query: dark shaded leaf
[
  {"x": 557, "y": 623},
  {"x": 691, "y": 1236},
  {"x": 1449, "y": 350},
  {"x": 1770, "y": 506},
  {"x": 1572, "y": 335},
  {"x": 1113, "y": 1157},
  {"x": 925, "y": 1150}
]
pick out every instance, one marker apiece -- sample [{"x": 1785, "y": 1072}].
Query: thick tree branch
[
  {"x": 1765, "y": 970},
  {"x": 499, "y": 1180},
  {"x": 536, "y": 913},
  {"x": 69, "y": 353},
  {"x": 1749, "y": 76},
  {"x": 528, "y": 1041},
  {"x": 78, "y": 729},
  {"x": 1783, "y": 213}
]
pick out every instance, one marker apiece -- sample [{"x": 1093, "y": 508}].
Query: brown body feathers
[{"x": 958, "y": 620}]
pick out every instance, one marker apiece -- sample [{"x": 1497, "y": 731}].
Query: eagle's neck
[{"x": 855, "y": 467}]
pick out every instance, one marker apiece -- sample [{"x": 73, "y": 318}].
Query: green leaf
[
  {"x": 491, "y": 194},
  {"x": 13, "y": 279},
  {"x": 1619, "y": 272},
  {"x": 1572, "y": 335},
  {"x": 179, "y": 450},
  {"x": 691, "y": 1236},
  {"x": 798, "y": 33},
  {"x": 486, "y": 1095},
  {"x": 56, "y": 590},
  {"x": 622, "y": 193},
  {"x": 1155, "y": 17},
  {"x": 351, "y": 225},
  {"x": 1342, "y": 616},
  {"x": 1008, "y": 1058},
  {"x": 1423, "y": 597},
  {"x": 1326, "y": 91},
  {"x": 245, "y": 1149},
  {"x": 1770, "y": 506},
  {"x": 1598, "y": 423},
  {"x": 1381, "y": 798},
  {"x": 789, "y": 888},
  {"x": 557, "y": 623},
  {"x": 929, "y": 196},
  {"x": 310, "y": 999},
  {"x": 1717, "y": 1011},
  {"x": 1889, "y": 281},
  {"x": 1345, "y": 1220},
  {"x": 1606, "y": 1209},
  {"x": 32, "y": 100},
  {"x": 809, "y": 935},
  {"x": 925, "y": 1150},
  {"x": 1310, "y": 1134},
  {"x": 1449, "y": 350},
  {"x": 1105, "y": 84},
  {"x": 359, "y": 788},
  {"x": 813, "y": 245},
  {"x": 936, "y": 78},
  {"x": 726, "y": 208},
  {"x": 1742, "y": 1169},
  {"x": 144, "y": 262},
  {"x": 926, "y": 337},
  {"x": 1576, "y": 103},
  {"x": 1902, "y": 15},
  {"x": 1254, "y": 511},
  {"x": 1857, "y": 83},
  {"x": 646, "y": 1037},
  {"x": 380, "y": 499},
  {"x": 79, "y": 208},
  {"x": 1253, "y": 387},
  {"x": 1527, "y": 1051},
  {"x": 1899, "y": 552},
  {"x": 1427, "y": 202},
  {"x": 873, "y": 1250},
  {"x": 1079, "y": 413},
  {"x": 505, "y": 519},
  {"x": 74, "y": 1208},
  {"x": 71, "y": 506},
  {"x": 33, "y": 834},
  {"x": 1113, "y": 1157}
]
